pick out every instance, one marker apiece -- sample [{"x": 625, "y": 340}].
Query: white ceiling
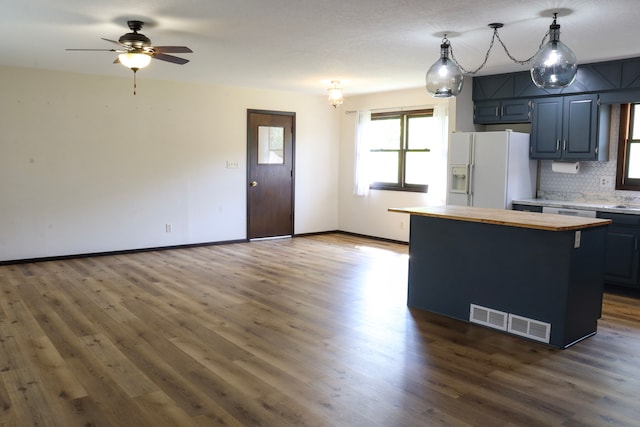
[{"x": 301, "y": 45}]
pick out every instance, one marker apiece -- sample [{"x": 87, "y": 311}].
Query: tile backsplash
[{"x": 585, "y": 186}]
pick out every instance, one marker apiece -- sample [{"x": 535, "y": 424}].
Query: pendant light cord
[{"x": 486, "y": 56}]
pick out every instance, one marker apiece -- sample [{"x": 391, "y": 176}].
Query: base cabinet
[
  {"x": 622, "y": 257},
  {"x": 526, "y": 208},
  {"x": 461, "y": 269}
]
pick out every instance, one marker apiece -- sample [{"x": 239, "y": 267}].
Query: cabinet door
[
  {"x": 580, "y": 127},
  {"x": 546, "y": 128},
  {"x": 621, "y": 260},
  {"x": 486, "y": 112},
  {"x": 515, "y": 111},
  {"x": 506, "y": 111},
  {"x": 526, "y": 208}
]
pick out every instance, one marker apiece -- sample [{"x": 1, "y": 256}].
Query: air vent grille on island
[
  {"x": 488, "y": 317},
  {"x": 530, "y": 328}
]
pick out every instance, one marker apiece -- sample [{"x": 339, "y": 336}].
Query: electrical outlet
[
  {"x": 232, "y": 164},
  {"x": 605, "y": 182},
  {"x": 168, "y": 228}
]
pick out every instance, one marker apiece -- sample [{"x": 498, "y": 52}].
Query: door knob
[{"x": 253, "y": 184}]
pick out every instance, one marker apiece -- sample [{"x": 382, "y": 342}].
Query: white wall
[
  {"x": 369, "y": 215},
  {"x": 86, "y": 167}
]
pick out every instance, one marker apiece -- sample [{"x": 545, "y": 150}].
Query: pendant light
[
  {"x": 335, "y": 94},
  {"x": 554, "y": 66},
  {"x": 444, "y": 79}
]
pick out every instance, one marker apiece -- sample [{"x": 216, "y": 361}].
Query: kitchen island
[{"x": 535, "y": 275}]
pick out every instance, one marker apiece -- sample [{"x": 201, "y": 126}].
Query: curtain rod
[{"x": 413, "y": 107}]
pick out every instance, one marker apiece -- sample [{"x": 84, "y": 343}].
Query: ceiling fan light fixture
[{"x": 134, "y": 60}]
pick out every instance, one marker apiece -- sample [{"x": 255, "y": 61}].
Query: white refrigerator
[{"x": 490, "y": 169}]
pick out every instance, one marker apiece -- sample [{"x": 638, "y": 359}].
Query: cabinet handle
[
  {"x": 557, "y": 145},
  {"x": 502, "y": 111},
  {"x": 564, "y": 145},
  {"x": 497, "y": 112}
]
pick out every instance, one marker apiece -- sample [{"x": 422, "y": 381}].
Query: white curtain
[
  {"x": 438, "y": 173},
  {"x": 362, "y": 164}
]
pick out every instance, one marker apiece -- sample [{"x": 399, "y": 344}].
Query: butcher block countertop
[{"x": 549, "y": 222}]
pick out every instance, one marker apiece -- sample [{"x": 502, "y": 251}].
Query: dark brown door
[{"x": 270, "y": 163}]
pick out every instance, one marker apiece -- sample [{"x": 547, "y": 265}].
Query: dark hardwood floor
[{"x": 305, "y": 331}]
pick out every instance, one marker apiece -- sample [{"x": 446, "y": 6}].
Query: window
[
  {"x": 628, "y": 174},
  {"x": 399, "y": 149}
]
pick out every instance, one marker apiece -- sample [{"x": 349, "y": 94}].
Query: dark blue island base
[{"x": 541, "y": 284}]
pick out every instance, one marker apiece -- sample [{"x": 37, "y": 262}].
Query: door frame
[{"x": 293, "y": 166}]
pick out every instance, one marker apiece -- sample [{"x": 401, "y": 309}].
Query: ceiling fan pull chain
[{"x": 134, "y": 81}]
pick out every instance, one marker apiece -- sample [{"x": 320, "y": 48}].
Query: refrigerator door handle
[{"x": 472, "y": 156}]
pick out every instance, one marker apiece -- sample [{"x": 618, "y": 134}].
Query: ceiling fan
[{"x": 136, "y": 51}]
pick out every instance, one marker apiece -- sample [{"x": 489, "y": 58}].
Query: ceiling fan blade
[
  {"x": 98, "y": 50},
  {"x": 170, "y": 58},
  {"x": 112, "y": 41},
  {"x": 172, "y": 49}
]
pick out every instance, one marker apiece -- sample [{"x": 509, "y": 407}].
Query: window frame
[
  {"x": 402, "y": 151},
  {"x": 623, "y": 182}
]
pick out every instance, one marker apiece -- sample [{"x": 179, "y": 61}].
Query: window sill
[{"x": 411, "y": 189}]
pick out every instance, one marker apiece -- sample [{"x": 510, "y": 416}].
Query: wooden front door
[{"x": 270, "y": 138}]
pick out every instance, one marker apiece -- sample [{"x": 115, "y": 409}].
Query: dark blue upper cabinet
[
  {"x": 546, "y": 128},
  {"x": 599, "y": 77},
  {"x": 504, "y": 111},
  {"x": 569, "y": 128},
  {"x": 580, "y": 127},
  {"x": 498, "y": 86}
]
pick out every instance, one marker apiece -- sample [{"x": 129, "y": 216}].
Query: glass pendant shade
[
  {"x": 444, "y": 79},
  {"x": 554, "y": 66},
  {"x": 134, "y": 60}
]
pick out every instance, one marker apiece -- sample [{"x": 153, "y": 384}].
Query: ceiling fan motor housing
[{"x": 135, "y": 39}]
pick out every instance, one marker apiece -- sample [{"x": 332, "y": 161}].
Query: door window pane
[{"x": 270, "y": 145}]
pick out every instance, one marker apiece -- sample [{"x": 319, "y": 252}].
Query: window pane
[
  {"x": 634, "y": 160},
  {"x": 420, "y": 129},
  {"x": 385, "y": 134},
  {"x": 384, "y": 167},
  {"x": 417, "y": 170},
  {"x": 635, "y": 126}
]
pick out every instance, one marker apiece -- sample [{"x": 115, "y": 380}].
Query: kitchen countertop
[
  {"x": 566, "y": 204},
  {"x": 506, "y": 217}
]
